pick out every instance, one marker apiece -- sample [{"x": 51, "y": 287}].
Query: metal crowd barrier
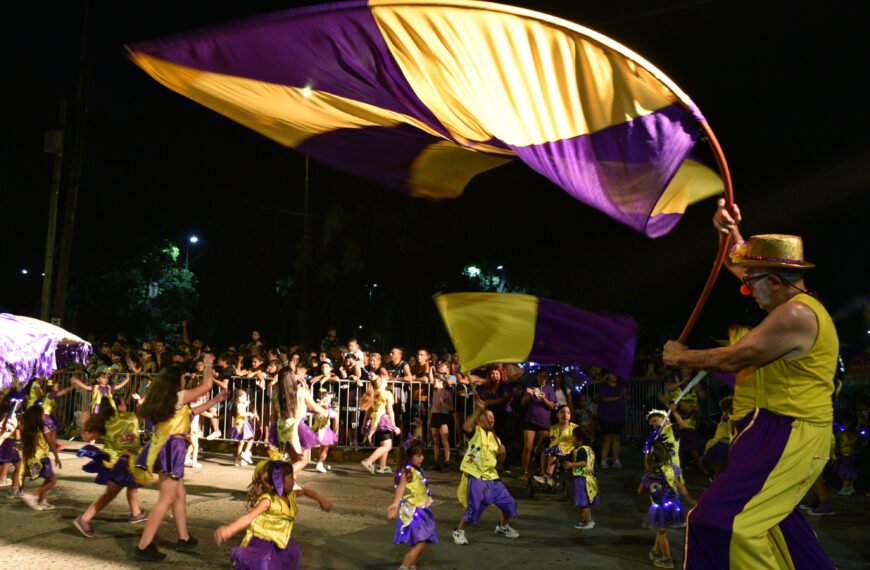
[{"x": 412, "y": 402}]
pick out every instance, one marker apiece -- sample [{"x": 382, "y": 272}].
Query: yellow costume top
[
  {"x": 802, "y": 388},
  {"x": 34, "y": 464},
  {"x": 482, "y": 455},
  {"x": 122, "y": 437},
  {"x": 176, "y": 426},
  {"x": 722, "y": 434},
  {"x": 38, "y": 393},
  {"x": 276, "y": 523},
  {"x": 416, "y": 495},
  {"x": 379, "y": 408},
  {"x": 564, "y": 438},
  {"x": 744, "y": 381},
  {"x": 848, "y": 442},
  {"x": 102, "y": 393}
]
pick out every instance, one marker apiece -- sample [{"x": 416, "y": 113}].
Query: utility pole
[
  {"x": 72, "y": 198},
  {"x": 52, "y": 144}
]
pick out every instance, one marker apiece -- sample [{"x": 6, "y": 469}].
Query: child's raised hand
[
  {"x": 221, "y": 535},
  {"x": 393, "y": 511}
]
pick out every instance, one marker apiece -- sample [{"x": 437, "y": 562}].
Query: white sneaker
[
  {"x": 5, "y": 483},
  {"x": 385, "y": 469},
  {"x": 188, "y": 463},
  {"x": 580, "y": 525},
  {"x": 506, "y": 531},
  {"x": 31, "y": 501},
  {"x": 320, "y": 467},
  {"x": 246, "y": 461},
  {"x": 540, "y": 479},
  {"x": 45, "y": 506},
  {"x": 459, "y": 537},
  {"x": 213, "y": 435},
  {"x": 370, "y": 467},
  {"x": 247, "y": 455},
  {"x": 196, "y": 465},
  {"x": 589, "y": 525},
  {"x": 617, "y": 463}
]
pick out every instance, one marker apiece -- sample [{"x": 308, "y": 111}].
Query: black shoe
[
  {"x": 148, "y": 554},
  {"x": 188, "y": 545}
]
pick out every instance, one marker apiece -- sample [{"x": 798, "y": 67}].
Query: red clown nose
[{"x": 745, "y": 290}]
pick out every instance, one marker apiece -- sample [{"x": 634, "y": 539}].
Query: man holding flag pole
[{"x": 748, "y": 517}]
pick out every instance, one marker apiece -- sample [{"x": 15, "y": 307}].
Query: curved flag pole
[{"x": 723, "y": 243}]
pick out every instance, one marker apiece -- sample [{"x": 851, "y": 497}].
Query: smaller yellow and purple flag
[{"x": 509, "y": 327}]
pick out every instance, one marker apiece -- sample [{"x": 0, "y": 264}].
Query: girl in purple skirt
[
  {"x": 243, "y": 427},
  {"x": 582, "y": 465},
  {"x": 113, "y": 464},
  {"x": 269, "y": 542},
  {"x": 416, "y": 524},
  {"x": 662, "y": 483},
  {"x": 9, "y": 456},
  {"x": 167, "y": 405},
  {"x": 847, "y": 451},
  {"x": 36, "y": 457}
]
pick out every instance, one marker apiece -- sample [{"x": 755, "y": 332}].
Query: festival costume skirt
[
  {"x": 119, "y": 473},
  {"x": 846, "y": 467},
  {"x": 8, "y": 453},
  {"x": 327, "y": 437},
  {"x": 245, "y": 434},
  {"x": 581, "y": 497},
  {"x": 42, "y": 469},
  {"x": 385, "y": 425},
  {"x": 169, "y": 460},
  {"x": 273, "y": 435},
  {"x": 420, "y": 529},
  {"x": 262, "y": 554},
  {"x": 52, "y": 423},
  {"x": 669, "y": 514},
  {"x": 307, "y": 438},
  {"x": 717, "y": 455}
]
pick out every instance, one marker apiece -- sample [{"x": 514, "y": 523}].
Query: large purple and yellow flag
[
  {"x": 423, "y": 95},
  {"x": 509, "y": 327}
]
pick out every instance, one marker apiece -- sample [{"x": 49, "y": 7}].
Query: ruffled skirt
[
  {"x": 420, "y": 529},
  {"x": 119, "y": 473},
  {"x": 327, "y": 437},
  {"x": 169, "y": 460},
  {"x": 41, "y": 469},
  {"x": 845, "y": 468},
  {"x": 307, "y": 438},
  {"x": 246, "y": 433},
  {"x": 262, "y": 554},
  {"x": 669, "y": 514},
  {"x": 8, "y": 453}
]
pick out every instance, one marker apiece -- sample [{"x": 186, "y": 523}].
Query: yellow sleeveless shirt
[{"x": 802, "y": 388}]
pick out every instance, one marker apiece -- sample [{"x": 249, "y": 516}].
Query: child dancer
[
  {"x": 561, "y": 443},
  {"x": 480, "y": 485},
  {"x": 101, "y": 392},
  {"x": 293, "y": 401},
  {"x": 9, "y": 455},
  {"x": 582, "y": 464},
  {"x": 167, "y": 406},
  {"x": 848, "y": 449},
  {"x": 37, "y": 464},
  {"x": 243, "y": 430},
  {"x": 716, "y": 450},
  {"x": 268, "y": 543},
  {"x": 663, "y": 431},
  {"x": 325, "y": 434},
  {"x": 45, "y": 390},
  {"x": 662, "y": 483},
  {"x": 380, "y": 426},
  {"x": 113, "y": 464},
  {"x": 416, "y": 524}
]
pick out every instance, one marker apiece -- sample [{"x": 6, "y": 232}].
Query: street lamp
[{"x": 192, "y": 240}]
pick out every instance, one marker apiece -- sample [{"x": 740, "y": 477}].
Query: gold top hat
[{"x": 770, "y": 250}]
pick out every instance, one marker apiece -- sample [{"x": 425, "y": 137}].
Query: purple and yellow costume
[
  {"x": 848, "y": 448},
  {"x": 585, "y": 482},
  {"x": 416, "y": 522},
  {"x": 116, "y": 460},
  {"x": 748, "y": 517},
  {"x": 268, "y": 543},
  {"x": 168, "y": 446},
  {"x": 480, "y": 485},
  {"x": 665, "y": 510}
]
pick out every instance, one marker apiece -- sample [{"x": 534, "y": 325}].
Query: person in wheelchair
[{"x": 560, "y": 444}]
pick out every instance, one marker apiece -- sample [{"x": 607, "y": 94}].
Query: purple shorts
[{"x": 482, "y": 494}]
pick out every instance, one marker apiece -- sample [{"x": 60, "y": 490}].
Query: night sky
[{"x": 779, "y": 84}]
